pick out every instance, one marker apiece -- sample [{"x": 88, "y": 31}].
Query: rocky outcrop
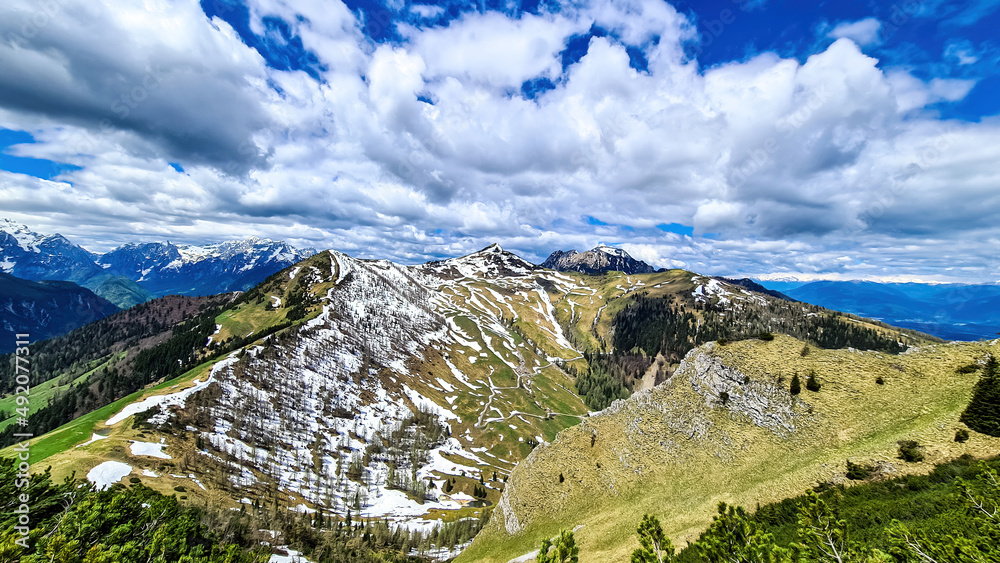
[{"x": 765, "y": 404}]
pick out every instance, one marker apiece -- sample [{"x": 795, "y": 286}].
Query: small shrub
[
  {"x": 561, "y": 478},
  {"x": 180, "y": 489},
  {"x": 879, "y": 380},
  {"x": 967, "y": 369},
  {"x": 961, "y": 435},
  {"x": 134, "y": 480},
  {"x": 723, "y": 341},
  {"x": 724, "y": 397},
  {"x": 766, "y": 336},
  {"x": 910, "y": 451},
  {"x": 805, "y": 351},
  {"x": 858, "y": 472}
]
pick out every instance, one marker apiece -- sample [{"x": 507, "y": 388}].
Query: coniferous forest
[
  {"x": 73, "y": 523},
  {"x": 648, "y": 327}
]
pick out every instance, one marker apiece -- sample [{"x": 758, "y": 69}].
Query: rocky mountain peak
[{"x": 598, "y": 260}]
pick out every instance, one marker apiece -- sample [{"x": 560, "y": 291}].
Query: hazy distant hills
[{"x": 950, "y": 311}]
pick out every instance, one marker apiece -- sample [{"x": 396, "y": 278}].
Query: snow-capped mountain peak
[
  {"x": 33, "y": 256},
  {"x": 612, "y": 251},
  {"x": 490, "y": 262},
  {"x": 25, "y": 238}
]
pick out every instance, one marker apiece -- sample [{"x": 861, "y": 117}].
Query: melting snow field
[
  {"x": 150, "y": 449},
  {"x": 158, "y": 401},
  {"x": 292, "y": 557},
  {"x": 108, "y": 473},
  {"x": 93, "y": 438}
]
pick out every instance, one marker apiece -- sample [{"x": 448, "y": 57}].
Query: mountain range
[
  {"x": 134, "y": 273},
  {"x": 487, "y": 390},
  {"x": 164, "y": 268},
  {"x": 402, "y": 393}
]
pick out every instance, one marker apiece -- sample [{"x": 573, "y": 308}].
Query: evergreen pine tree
[
  {"x": 983, "y": 412},
  {"x": 811, "y": 383},
  {"x": 655, "y": 546},
  {"x": 796, "y": 387},
  {"x": 564, "y": 549}
]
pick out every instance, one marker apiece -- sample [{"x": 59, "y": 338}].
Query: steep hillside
[
  {"x": 94, "y": 365},
  {"x": 354, "y": 385},
  {"x": 725, "y": 427},
  {"x": 45, "y": 309}
]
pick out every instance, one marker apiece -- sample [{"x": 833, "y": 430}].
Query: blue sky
[
  {"x": 926, "y": 37},
  {"x": 853, "y": 139}
]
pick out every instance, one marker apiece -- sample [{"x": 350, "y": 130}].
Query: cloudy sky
[{"x": 853, "y": 139}]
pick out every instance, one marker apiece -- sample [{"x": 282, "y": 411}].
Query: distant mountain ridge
[
  {"x": 597, "y": 261},
  {"x": 136, "y": 272},
  {"x": 166, "y": 268}
]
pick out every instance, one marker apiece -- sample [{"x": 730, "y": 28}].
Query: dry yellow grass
[{"x": 673, "y": 453}]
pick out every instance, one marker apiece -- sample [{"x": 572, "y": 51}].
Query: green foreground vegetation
[{"x": 950, "y": 515}]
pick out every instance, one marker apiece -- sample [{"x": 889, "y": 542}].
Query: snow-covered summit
[
  {"x": 28, "y": 240},
  {"x": 33, "y": 256},
  {"x": 611, "y": 250},
  {"x": 491, "y": 262}
]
